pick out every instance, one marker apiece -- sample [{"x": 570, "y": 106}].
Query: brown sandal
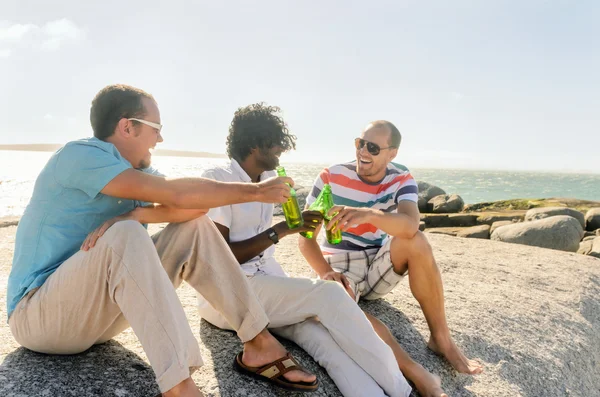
[{"x": 273, "y": 372}]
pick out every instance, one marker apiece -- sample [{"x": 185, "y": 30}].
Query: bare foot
[
  {"x": 187, "y": 388},
  {"x": 264, "y": 349},
  {"x": 428, "y": 384},
  {"x": 455, "y": 356}
]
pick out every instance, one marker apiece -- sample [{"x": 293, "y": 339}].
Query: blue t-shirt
[{"x": 65, "y": 207}]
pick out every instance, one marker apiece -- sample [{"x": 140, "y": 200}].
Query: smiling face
[
  {"x": 372, "y": 167},
  {"x": 145, "y": 137}
]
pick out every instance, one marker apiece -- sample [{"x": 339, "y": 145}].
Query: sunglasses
[
  {"x": 148, "y": 123},
  {"x": 372, "y": 148}
]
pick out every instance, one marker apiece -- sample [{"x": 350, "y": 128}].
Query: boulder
[
  {"x": 422, "y": 203},
  {"x": 446, "y": 203},
  {"x": 545, "y": 212},
  {"x": 561, "y": 232},
  {"x": 592, "y": 219},
  {"x": 490, "y": 218},
  {"x": 422, "y": 225},
  {"x": 585, "y": 247},
  {"x": 498, "y": 224},
  {"x": 481, "y": 231},
  {"x": 595, "y": 252},
  {"x": 429, "y": 191}
]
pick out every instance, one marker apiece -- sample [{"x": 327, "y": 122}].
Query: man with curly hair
[{"x": 317, "y": 315}]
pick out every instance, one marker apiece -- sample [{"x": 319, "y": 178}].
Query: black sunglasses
[{"x": 372, "y": 148}]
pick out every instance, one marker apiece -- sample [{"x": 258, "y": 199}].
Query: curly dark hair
[
  {"x": 257, "y": 126},
  {"x": 113, "y": 103}
]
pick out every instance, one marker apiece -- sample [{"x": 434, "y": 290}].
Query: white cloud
[
  {"x": 5, "y": 53},
  {"x": 49, "y": 37},
  {"x": 15, "y": 32},
  {"x": 48, "y": 116}
]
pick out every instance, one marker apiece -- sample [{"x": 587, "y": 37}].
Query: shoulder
[
  {"x": 89, "y": 151},
  {"x": 397, "y": 172},
  {"x": 219, "y": 172}
]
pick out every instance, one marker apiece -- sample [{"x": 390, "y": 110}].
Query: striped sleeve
[
  {"x": 407, "y": 190},
  {"x": 321, "y": 180}
]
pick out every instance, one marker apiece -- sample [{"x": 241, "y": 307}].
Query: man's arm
[
  {"x": 150, "y": 214},
  {"x": 247, "y": 249},
  {"x": 404, "y": 223},
  {"x": 309, "y": 247},
  {"x": 198, "y": 193}
]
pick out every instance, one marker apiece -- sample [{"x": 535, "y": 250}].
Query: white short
[{"x": 370, "y": 272}]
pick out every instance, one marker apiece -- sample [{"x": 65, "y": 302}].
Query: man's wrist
[{"x": 281, "y": 229}]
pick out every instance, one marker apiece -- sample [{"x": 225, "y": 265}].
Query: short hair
[
  {"x": 257, "y": 126},
  {"x": 113, "y": 103},
  {"x": 395, "y": 137}
]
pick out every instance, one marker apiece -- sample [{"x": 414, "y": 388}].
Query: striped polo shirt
[{"x": 350, "y": 190}]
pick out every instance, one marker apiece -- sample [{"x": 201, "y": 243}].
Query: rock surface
[
  {"x": 592, "y": 219},
  {"x": 545, "y": 212},
  {"x": 481, "y": 231},
  {"x": 560, "y": 232},
  {"x": 446, "y": 204},
  {"x": 531, "y": 315}
]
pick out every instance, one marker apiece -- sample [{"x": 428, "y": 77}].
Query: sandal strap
[{"x": 279, "y": 367}]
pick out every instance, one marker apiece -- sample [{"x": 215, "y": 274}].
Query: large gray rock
[
  {"x": 427, "y": 191},
  {"x": 545, "y": 212},
  {"x": 498, "y": 224},
  {"x": 481, "y": 231},
  {"x": 595, "y": 252},
  {"x": 592, "y": 219},
  {"x": 560, "y": 232},
  {"x": 500, "y": 300},
  {"x": 446, "y": 203}
]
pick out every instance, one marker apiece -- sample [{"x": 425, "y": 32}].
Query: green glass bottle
[
  {"x": 323, "y": 204},
  {"x": 291, "y": 208}
]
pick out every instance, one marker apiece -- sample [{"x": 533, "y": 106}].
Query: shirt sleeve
[
  {"x": 221, "y": 215},
  {"x": 407, "y": 189},
  {"x": 321, "y": 180},
  {"x": 87, "y": 168}
]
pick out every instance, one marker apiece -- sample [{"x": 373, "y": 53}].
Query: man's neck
[{"x": 252, "y": 169}]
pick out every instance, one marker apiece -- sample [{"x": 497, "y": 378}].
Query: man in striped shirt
[{"x": 377, "y": 212}]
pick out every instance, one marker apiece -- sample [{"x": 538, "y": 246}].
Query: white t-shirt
[{"x": 245, "y": 220}]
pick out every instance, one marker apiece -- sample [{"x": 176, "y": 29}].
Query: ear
[
  {"x": 124, "y": 128},
  {"x": 392, "y": 155}
]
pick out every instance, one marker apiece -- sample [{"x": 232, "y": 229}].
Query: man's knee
[
  {"x": 331, "y": 291},
  {"x": 417, "y": 245},
  {"x": 126, "y": 235}
]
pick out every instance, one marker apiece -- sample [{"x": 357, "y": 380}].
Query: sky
[{"x": 470, "y": 84}]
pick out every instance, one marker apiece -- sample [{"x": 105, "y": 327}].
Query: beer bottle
[
  {"x": 323, "y": 204},
  {"x": 291, "y": 209}
]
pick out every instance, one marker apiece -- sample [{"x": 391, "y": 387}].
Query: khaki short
[{"x": 370, "y": 272}]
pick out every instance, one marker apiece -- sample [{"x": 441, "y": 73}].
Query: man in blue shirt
[{"x": 69, "y": 289}]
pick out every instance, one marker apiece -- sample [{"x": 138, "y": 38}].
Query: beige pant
[
  {"x": 127, "y": 279},
  {"x": 342, "y": 340}
]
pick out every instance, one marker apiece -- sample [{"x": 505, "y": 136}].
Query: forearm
[
  {"x": 161, "y": 213},
  {"x": 395, "y": 224},
  {"x": 208, "y": 193},
  {"x": 312, "y": 253},
  {"x": 247, "y": 249}
]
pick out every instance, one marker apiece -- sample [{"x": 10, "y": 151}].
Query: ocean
[{"x": 19, "y": 169}]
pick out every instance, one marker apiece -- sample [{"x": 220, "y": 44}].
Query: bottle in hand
[{"x": 291, "y": 209}]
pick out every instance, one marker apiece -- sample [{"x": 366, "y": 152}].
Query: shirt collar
[{"x": 239, "y": 171}]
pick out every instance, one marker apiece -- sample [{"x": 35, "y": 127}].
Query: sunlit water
[{"x": 18, "y": 171}]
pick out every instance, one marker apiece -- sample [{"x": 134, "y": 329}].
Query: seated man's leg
[
  {"x": 315, "y": 339},
  {"x": 415, "y": 257},
  {"x": 196, "y": 252},
  {"x": 84, "y": 301},
  {"x": 292, "y": 300}
]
